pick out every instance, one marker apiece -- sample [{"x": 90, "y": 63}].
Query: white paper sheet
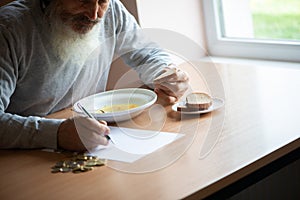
[{"x": 133, "y": 144}]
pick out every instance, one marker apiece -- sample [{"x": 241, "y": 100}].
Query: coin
[
  {"x": 79, "y": 163},
  {"x": 73, "y": 164},
  {"x": 81, "y": 157},
  {"x": 65, "y": 169},
  {"x": 55, "y": 170},
  {"x": 60, "y": 164},
  {"x": 81, "y": 169},
  {"x": 92, "y": 163}
]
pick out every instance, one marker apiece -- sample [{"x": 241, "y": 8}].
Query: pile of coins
[{"x": 77, "y": 164}]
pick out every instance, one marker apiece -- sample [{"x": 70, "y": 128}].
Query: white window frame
[{"x": 244, "y": 48}]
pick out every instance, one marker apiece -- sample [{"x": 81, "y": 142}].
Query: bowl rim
[{"x": 120, "y": 113}]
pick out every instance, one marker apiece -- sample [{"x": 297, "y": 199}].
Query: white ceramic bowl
[{"x": 143, "y": 98}]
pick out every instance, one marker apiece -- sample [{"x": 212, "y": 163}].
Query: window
[{"x": 260, "y": 29}]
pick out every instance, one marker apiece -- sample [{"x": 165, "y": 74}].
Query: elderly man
[{"x": 55, "y": 52}]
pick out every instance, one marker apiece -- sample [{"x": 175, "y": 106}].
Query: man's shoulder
[
  {"x": 117, "y": 5},
  {"x": 15, "y": 13},
  {"x": 119, "y": 11}
]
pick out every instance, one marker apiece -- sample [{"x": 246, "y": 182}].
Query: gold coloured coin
[{"x": 77, "y": 164}]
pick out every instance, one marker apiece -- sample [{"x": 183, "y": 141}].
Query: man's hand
[
  {"x": 171, "y": 85},
  {"x": 82, "y": 133}
]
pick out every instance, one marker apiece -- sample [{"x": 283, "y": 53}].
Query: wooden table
[{"x": 258, "y": 124}]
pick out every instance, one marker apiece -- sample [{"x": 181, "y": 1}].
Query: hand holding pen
[
  {"x": 82, "y": 133},
  {"x": 92, "y": 117}
]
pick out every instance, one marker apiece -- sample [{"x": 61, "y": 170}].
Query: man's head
[
  {"x": 80, "y": 15},
  {"x": 73, "y": 26}
]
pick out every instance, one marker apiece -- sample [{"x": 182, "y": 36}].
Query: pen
[{"x": 92, "y": 117}]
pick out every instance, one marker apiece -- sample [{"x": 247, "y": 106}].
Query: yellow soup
[{"x": 116, "y": 108}]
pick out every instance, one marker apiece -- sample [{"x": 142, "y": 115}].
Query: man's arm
[
  {"x": 17, "y": 131},
  {"x": 27, "y": 132}
]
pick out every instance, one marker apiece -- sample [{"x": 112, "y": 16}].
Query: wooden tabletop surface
[{"x": 258, "y": 124}]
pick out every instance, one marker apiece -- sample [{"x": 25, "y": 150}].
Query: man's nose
[{"x": 94, "y": 11}]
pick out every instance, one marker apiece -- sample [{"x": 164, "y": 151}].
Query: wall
[
  {"x": 118, "y": 67},
  {"x": 183, "y": 18}
]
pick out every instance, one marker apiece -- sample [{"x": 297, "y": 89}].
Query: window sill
[{"x": 253, "y": 62}]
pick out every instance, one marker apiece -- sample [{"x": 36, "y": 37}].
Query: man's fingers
[
  {"x": 96, "y": 140},
  {"x": 176, "y": 75},
  {"x": 94, "y": 126},
  {"x": 166, "y": 75},
  {"x": 82, "y": 133},
  {"x": 172, "y": 89},
  {"x": 174, "y": 84},
  {"x": 102, "y": 122},
  {"x": 88, "y": 129},
  {"x": 164, "y": 97}
]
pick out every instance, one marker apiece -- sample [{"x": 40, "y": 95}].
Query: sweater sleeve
[
  {"x": 19, "y": 131},
  {"x": 136, "y": 49}
]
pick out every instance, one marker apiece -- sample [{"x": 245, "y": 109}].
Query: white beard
[{"x": 68, "y": 44}]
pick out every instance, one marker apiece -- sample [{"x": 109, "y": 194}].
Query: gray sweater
[{"x": 34, "y": 82}]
